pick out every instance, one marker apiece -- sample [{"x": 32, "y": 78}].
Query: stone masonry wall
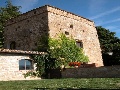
[
  {"x": 26, "y": 29},
  {"x": 79, "y": 28},
  {"x": 9, "y": 67},
  {"x": 93, "y": 72}
]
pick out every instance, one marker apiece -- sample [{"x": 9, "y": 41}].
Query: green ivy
[
  {"x": 30, "y": 73},
  {"x": 40, "y": 60}
]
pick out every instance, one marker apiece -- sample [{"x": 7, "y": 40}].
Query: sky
[{"x": 105, "y": 13}]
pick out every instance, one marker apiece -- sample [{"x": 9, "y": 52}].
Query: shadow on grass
[{"x": 61, "y": 89}]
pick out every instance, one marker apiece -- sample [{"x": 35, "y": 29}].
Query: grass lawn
[{"x": 62, "y": 84}]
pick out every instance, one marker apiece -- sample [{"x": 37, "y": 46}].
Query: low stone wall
[{"x": 93, "y": 72}]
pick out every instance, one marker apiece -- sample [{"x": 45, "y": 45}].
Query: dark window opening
[
  {"x": 79, "y": 44},
  {"x": 30, "y": 31},
  {"x": 43, "y": 17},
  {"x": 34, "y": 12},
  {"x": 67, "y": 33},
  {"x": 35, "y": 44},
  {"x": 27, "y": 20},
  {"x": 25, "y": 64},
  {"x": 71, "y": 26},
  {"x": 13, "y": 45},
  {"x": 18, "y": 26}
]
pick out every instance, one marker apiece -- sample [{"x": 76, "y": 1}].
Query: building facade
[
  {"x": 24, "y": 31},
  {"x": 15, "y": 63}
]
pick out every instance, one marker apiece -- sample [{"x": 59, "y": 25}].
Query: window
[
  {"x": 28, "y": 20},
  {"x": 25, "y": 64},
  {"x": 71, "y": 26},
  {"x": 79, "y": 44},
  {"x": 13, "y": 45},
  {"x": 67, "y": 33},
  {"x": 18, "y": 26},
  {"x": 42, "y": 17},
  {"x": 35, "y": 12}
]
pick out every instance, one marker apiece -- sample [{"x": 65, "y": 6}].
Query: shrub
[{"x": 65, "y": 50}]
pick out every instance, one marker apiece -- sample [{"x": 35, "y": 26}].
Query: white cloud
[
  {"x": 105, "y": 13},
  {"x": 96, "y": 6},
  {"x": 25, "y": 4},
  {"x": 112, "y": 21},
  {"x": 111, "y": 27},
  {"x": 100, "y": 22}
]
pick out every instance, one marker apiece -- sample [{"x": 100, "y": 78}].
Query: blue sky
[{"x": 105, "y": 13}]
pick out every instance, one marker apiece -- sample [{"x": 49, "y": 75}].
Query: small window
[
  {"x": 28, "y": 20},
  {"x": 25, "y": 64},
  {"x": 67, "y": 33},
  {"x": 35, "y": 44},
  {"x": 79, "y": 44},
  {"x": 34, "y": 12},
  {"x": 71, "y": 26},
  {"x": 42, "y": 17}
]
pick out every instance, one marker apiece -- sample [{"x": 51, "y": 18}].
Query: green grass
[{"x": 62, "y": 84}]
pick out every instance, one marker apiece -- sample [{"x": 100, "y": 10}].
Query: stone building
[
  {"x": 15, "y": 63},
  {"x": 24, "y": 31}
]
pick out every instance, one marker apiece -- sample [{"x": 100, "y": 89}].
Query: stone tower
[{"x": 24, "y": 31}]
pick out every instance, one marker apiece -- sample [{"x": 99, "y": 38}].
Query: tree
[
  {"x": 116, "y": 53},
  {"x": 7, "y": 12},
  {"x": 106, "y": 39},
  {"x": 109, "y": 43},
  {"x": 65, "y": 50}
]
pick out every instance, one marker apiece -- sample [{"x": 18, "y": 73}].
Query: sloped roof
[{"x": 21, "y": 52}]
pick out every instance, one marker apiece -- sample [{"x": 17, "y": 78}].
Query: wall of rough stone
[
  {"x": 79, "y": 28},
  {"x": 93, "y": 72},
  {"x": 26, "y": 29},
  {"x": 9, "y": 67}
]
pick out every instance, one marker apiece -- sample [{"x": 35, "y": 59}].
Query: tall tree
[
  {"x": 109, "y": 43},
  {"x": 7, "y": 12},
  {"x": 106, "y": 39}
]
